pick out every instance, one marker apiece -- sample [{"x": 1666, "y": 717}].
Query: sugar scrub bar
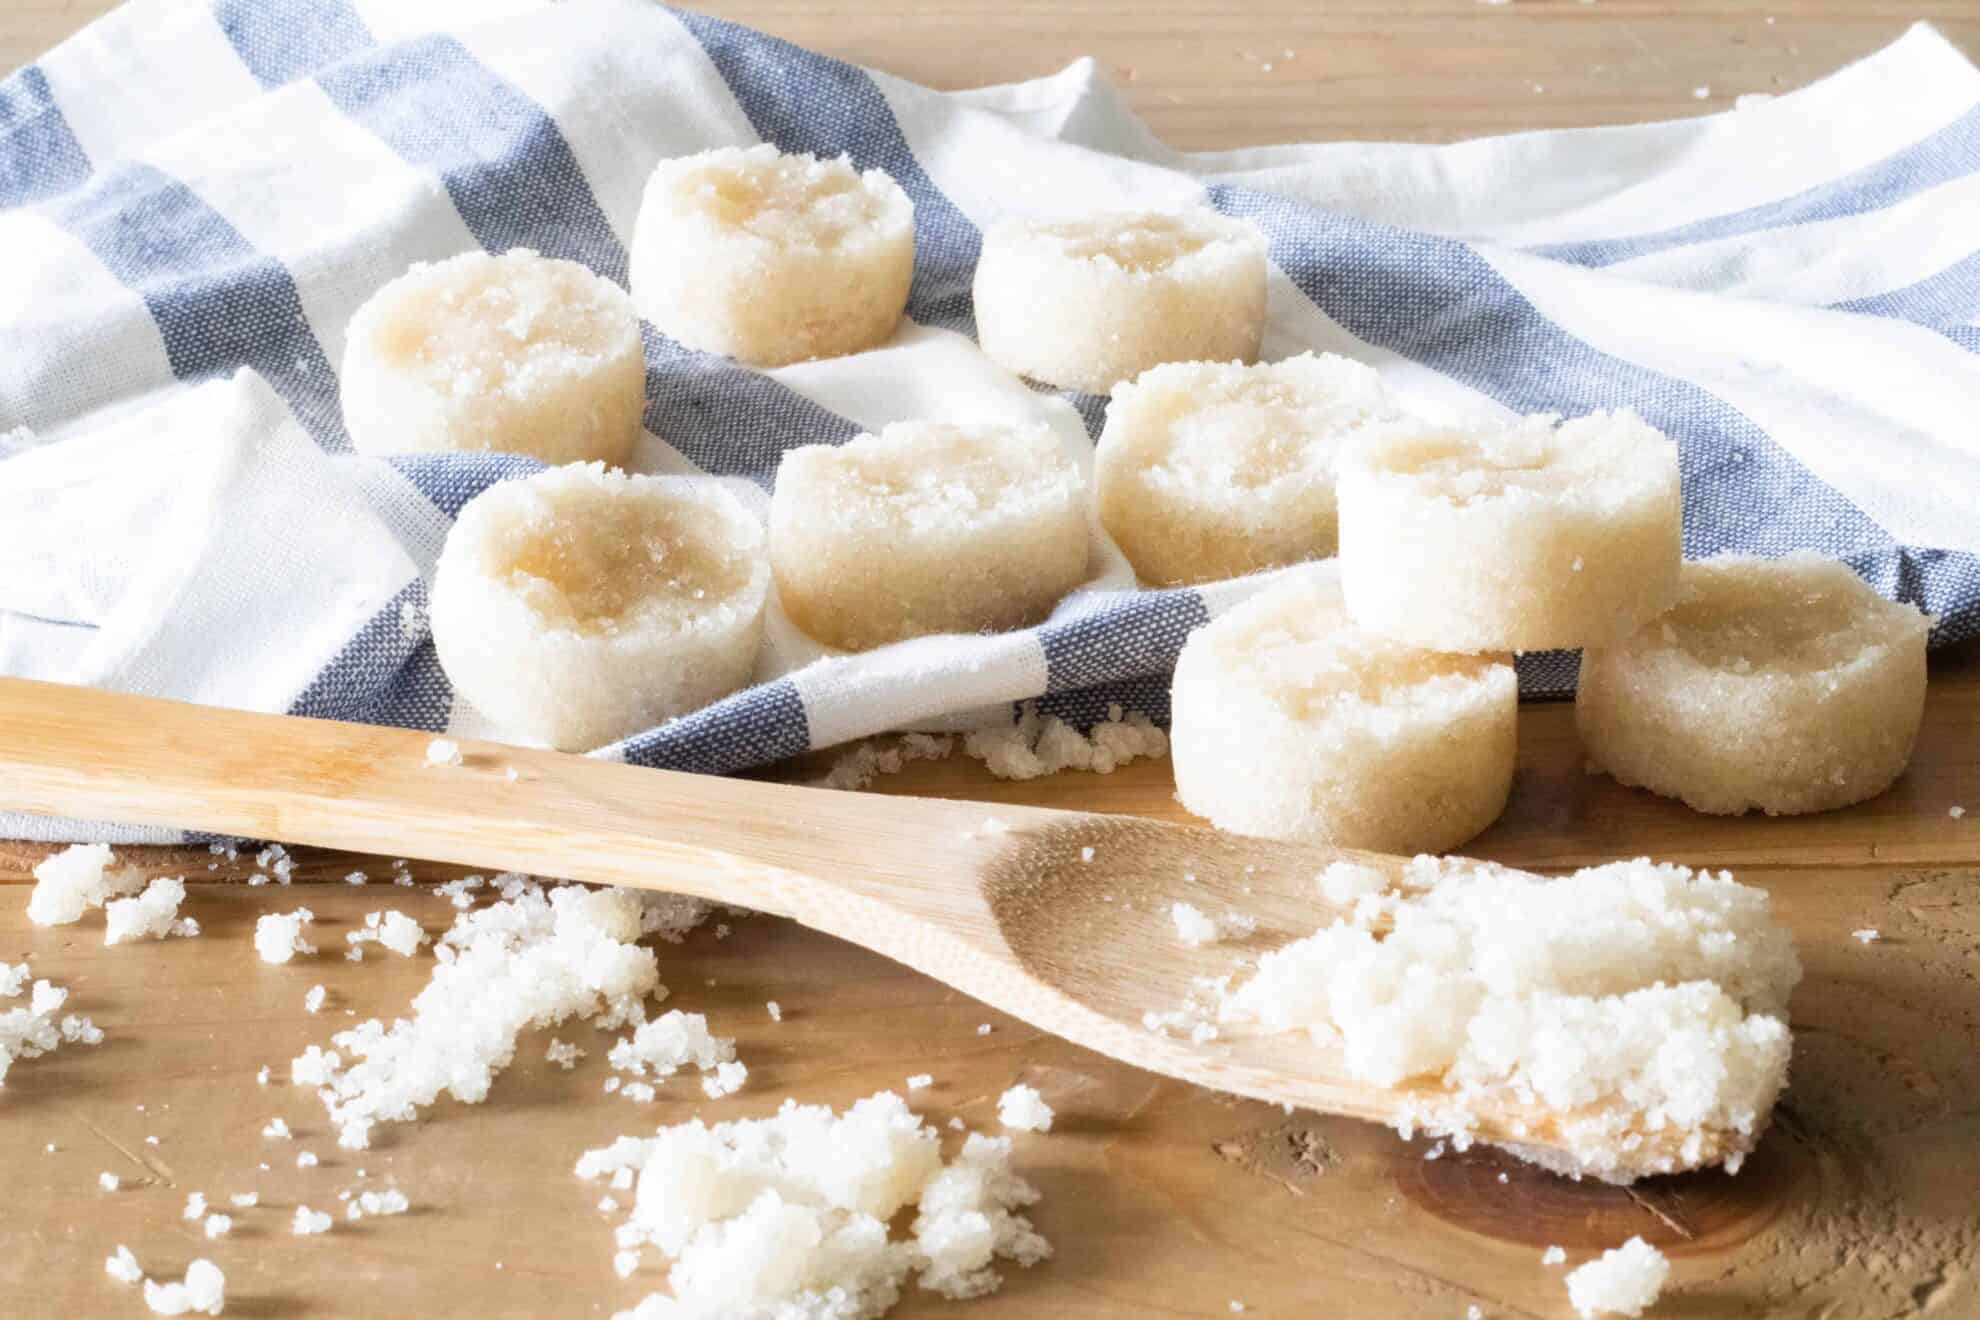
[
  {"x": 1086, "y": 304},
  {"x": 1292, "y": 723},
  {"x": 1516, "y": 538},
  {"x": 582, "y": 604},
  {"x": 1637, "y": 1011},
  {"x": 927, "y": 527},
  {"x": 772, "y": 258},
  {"x": 1210, "y": 470},
  {"x": 519, "y": 353},
  {"x": 1785, "y": 685}
]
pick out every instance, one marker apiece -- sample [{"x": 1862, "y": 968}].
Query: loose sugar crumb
[
  {"x": 1553, "y": 1256},
  {"x": 1624, "y": 1281},
  {"x": 80, "y": 877},
  {"x": 775, "y": 1010},
  {"x": 1023, "y": 1109},
  {"x": 1866, "y": 935},
  {"x": 983, "y": 1029},
  {"x": 313, "y": 1001},
  {"x": 245, "y": 1200},
  {"x": 277, "y": 1130},
  {"x": 1194, "y": 929},
  {"x": 443, "y": 751},
  {"x": 392, "y": 929},
  {"x": 768, "y": 1217},
  {"x": 219, "y": 1225},
  {"x": 1955, "y": 812},
  {"x": 203, "y": 1291},
  {"x": 562, "y": 1053},
  {"x": 920, "y": 1081},
  {"x": 278, "y": 937},
  {"x": 308, "y": 1221},
  {"x": 34, "y": 1030},
  {"x": 1041, "y": 745},
  {"x": 108, "y": 1181},
  {"x": 195, "y": 1206},
  {"x": 865, "y": 762},
  {"x": 122, "y": 1265},
  {"x": 152, "y": 915},
  {"x": 306, "y": 1159}
]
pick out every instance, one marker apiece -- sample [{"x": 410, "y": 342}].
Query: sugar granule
[
  {"x": 443, "y": 751},
  {"x": 1623, "y": 1281},
  {"x": 219, "y": 1225},
  {"x": 392, "y": 929},
  {"x": 122, "y": 1265},
  {"x": 108, "y": 1181},
  {"x": 1023, "y": 1109},
  {"x": 1553, "y": 1256},
  {"x": 920, "y": 1082},
  {"x": 1041, "y": 745},
  {"x": 1866, "y": 935},
  {"x": 308, "y": 1221},
  {"x": 195, "y": 1206},
  {"x": 313, "y": 1001},
  {"x": 151, "y": 915},
  {"x": 278, "y": 937},
  {"x": 34, "y": 1030},
  {"x": 202, "y": 1291},
  {"x": 69, "y": 883}
]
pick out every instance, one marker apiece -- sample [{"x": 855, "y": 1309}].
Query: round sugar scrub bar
[
  {"x": 1211, "y": 470},
  {"x": 1292, "y": 723},
  {"x": 1521, "y": 538},
  {"x": 1782, "y": 684},
  {"x": 518, "y": 353},
  {"x": 772, "y": 258},
  {"x": 1086, "y": 304},
  {"x": 927, "y": 527},
  {"x": 581, "y": 604}
]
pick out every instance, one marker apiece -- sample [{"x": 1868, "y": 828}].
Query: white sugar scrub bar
[
  {"x": 1521, "y": 537},
  {"x": 581, "y": 605},
  {"x": 1782, "y": 685},
  {"x": 772, "y": 258},
  {"x": 927, "y": 527},
  {"x": 1632, "y": 1015},
  {"x": 812, "y": 1213},
  {"x": 1290, "y": 722},
  {"x": 517, "y": 353},
  {"x": 1087, "y": 303},
  {"x": 1210, "y": 470}
]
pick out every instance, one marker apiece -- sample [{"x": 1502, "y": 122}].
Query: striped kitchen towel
[{"x": 195, "y": 196}]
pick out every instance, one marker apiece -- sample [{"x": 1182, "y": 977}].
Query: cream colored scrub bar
[
  {"x": 1210, "y": 470},
  {"x": 1086, "y": 304},
  {"x": 772, "y": 258},
  {"x": 582, "y": 605},
  {"x": 1785, "y": 685},
  {"x": 927, "y": 527},
  {"x": 1291, "y": 723},
  {"x": 1517, "y": 538},
  {"x": 520, "y": 353}
]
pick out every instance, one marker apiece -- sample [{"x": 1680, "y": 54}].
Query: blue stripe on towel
[
  {"x": 451, "y": 480},
  {"x": 219, "y": 303},
  {"x": 388, "y": 673},
  {"x": 282, "y": 40},
  {"x": 753, "y": 727},
  {"x": 1951, "y": 153},
  {"x": 39, "y": 155},
  {"x": 1118, "y": 635}
]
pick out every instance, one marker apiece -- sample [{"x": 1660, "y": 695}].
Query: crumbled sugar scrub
[
  {"x": 1785, "y": 685},
  {"x": 673, "y": 1041},
  {"x": 581, "y": 605},
  {"x": 1639, "y": 1009},
  {"x": 927, "y": 527},
  {"x": 865, "y": 761},
  {"x": 1086, "y": 304},
  {"x": 1553, "y": 1256},
  {"x": 202, "y": 1292},
  {"x": 122, "y": 1266},
  {"x": 1865, "y": 936},
  {"x": 531, "y": 961},
  {"x": 309, "y": 1222},
  {"x": 518, "y": 353},
  {"x": 80, "y": 877},
  {"x": 1515, "y": 538},
  {"x": 151, "y": 915},
  {"x": 108, "y": 1181},
  {"x": 1023, "y": 1109},
  {"x": 1210, "y": 470},
  {"x": 1290, "y": 722},
  {"x": 1037, "y": 745},
  {"x": 393, "y": 930},
  {"x": 313, "y": 1001},
  {"x": 788, "y": 1218},
  {"x": 1624, "y": 1281},
  {"x": 388, "y": 1202},
  {"x": 772, "y": 258},
  {"x": 920, "y": 1082},
  {"x": 443, "y": 751},
  {"x": 278, "y": 936},
  {"x": 30, "y": 1031},
  {"x": 218, "y": 1225},
  {"x": 1195, "y": 928}
]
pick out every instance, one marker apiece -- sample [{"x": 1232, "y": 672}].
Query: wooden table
[{"x": 1162, "y": 1199}]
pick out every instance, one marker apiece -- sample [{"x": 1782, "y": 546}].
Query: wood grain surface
[{"x": 1162, "y": 1199}]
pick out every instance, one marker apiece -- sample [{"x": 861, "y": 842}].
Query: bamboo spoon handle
[{"x": 81, "y": 752}]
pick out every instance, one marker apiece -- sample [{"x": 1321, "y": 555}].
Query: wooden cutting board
[{"x": 1162, "y": 1200}]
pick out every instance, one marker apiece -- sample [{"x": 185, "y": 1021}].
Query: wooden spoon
[{"x": 1058, "y": 918}]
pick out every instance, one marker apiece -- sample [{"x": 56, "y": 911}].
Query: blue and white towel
[{"x": 194, "y": 197}]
